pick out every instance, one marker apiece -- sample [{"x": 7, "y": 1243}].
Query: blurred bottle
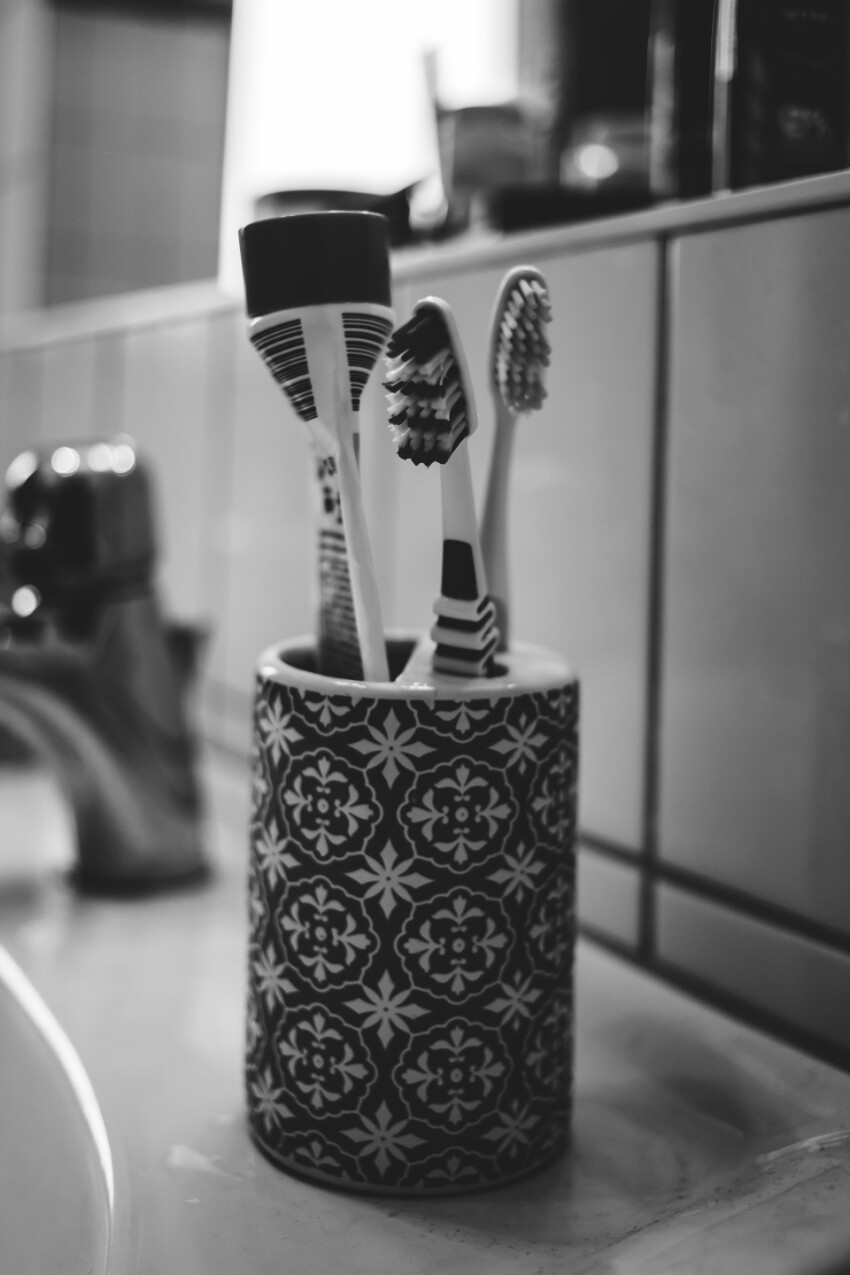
[
  {"x": 604, "y": 145},
  {"x": 643, "y": 103},
  {"x": 547, "y": 55},
  {"x": 782, "y": 90},
  {"x": 679, "y": 98}
]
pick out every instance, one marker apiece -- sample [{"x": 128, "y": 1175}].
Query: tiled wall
[
  {"x": 25, "y": 42},
  {"x": 137, "y": 141},
  {"x": 111, "y": 148},
  {"x": 680, "y": 532}
]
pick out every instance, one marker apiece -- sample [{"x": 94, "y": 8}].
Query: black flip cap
[{"x": 315, "y": 258}]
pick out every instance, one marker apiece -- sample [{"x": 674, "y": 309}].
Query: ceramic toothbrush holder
[{"x": 412, "y": 916}]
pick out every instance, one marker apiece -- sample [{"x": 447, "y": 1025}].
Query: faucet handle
[{"x": 79, "y": 519}]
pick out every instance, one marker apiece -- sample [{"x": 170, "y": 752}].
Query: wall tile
[
  {"x": 609, "y": 897},
  {"x": 8, "y": 432},
  {"x": 165, "y": 409},
  {"x": 756, "y": 650},
  {"x": 136, "y": 171},
  {"x": 26, "y": 28},
  {"x": 9, "y": 87},
  {"x": 22, "y": 202},
  {"x": 70, "y": 390},
  {"x": 205, "y": 55},
  {"x": 23, "y": 396},
  {"x": 788, "y": 977}
]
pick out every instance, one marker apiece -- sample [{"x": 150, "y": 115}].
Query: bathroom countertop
[{"x": 699, "y": 1145}]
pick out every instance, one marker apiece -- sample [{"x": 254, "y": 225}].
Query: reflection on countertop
[{"x": 699, "y": 1145}]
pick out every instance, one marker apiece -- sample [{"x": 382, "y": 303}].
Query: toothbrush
[
  {"x": 432, "y": 415},
  {"x": 318, "y": 300},
  {"x": 518, "y": 357}
]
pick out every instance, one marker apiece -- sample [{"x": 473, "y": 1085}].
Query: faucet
[{"x": 93, "y": 681}]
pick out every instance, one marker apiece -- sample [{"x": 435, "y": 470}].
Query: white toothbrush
[{"x": 518, "y": 357}]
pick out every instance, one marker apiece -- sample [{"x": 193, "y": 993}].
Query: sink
[{"x": 57, "y": 1179}]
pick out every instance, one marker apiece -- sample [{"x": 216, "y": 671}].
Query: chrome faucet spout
[
  {"x": 93, "y": 687},
  {"x": 122, "y": 754}
]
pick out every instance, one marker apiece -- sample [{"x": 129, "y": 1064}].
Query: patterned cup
[{"x": 412, "y": 905}]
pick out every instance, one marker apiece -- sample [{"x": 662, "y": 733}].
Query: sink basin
[{"x": 57, "y": 1181}]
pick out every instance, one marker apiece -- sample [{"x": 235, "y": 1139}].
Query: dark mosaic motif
[{"x": 412, "y": 915}]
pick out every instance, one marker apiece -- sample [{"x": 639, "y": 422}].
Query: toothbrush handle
[
  {"x": 338, "y": 649},
  {"x": 494, "y": 523},
  {"x": 464, "y": 632},
  {"x": 463, "y": 577},
  {"x": 367, "y": 602}
]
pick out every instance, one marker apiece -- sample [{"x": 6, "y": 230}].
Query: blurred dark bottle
[
  {"x": 783, "y": 69},
  {"x": 680, "y": 97},
  {"x": 643, "y": 88},
  {"x": 603, "y": 134}
]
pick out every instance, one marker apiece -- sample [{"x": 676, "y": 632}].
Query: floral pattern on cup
[
  {"x": 449, "y": 1074},
  {"x": 320, "y": 1061},
  {"x": 329, "y": 803},
  {"x": 458, "y": 810},
  {"x": 411, "y": 911},
  {"x": 328, "y": 940},
  {"x": 458, "y": 945}
]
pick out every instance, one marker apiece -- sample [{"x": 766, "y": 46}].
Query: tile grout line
[{"x": 658, "y": 486}]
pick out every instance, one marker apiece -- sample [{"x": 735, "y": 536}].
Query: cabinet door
[
  {"x": 580, "y": 503},
  {"x": 756, "y": 654}
]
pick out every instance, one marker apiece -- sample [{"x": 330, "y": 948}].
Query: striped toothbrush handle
[{"x": 465, "y": 633}]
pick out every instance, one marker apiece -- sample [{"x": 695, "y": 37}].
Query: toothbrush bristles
[
  {"x": 429, "y": 413},
  {"x": 521, "y": 351}
]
